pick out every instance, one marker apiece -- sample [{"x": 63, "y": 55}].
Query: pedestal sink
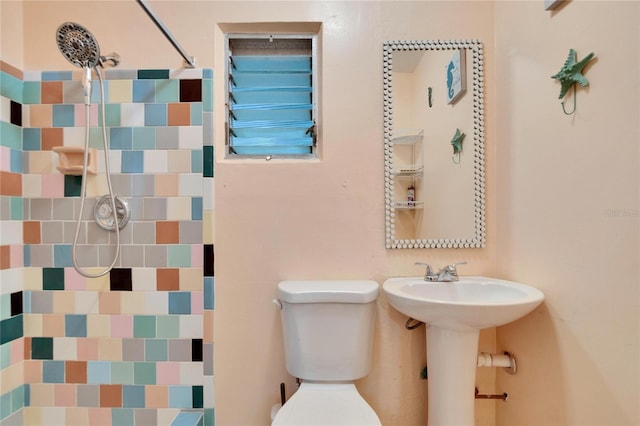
[{"x": 454, "y": 313}]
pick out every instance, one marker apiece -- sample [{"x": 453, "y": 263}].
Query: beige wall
[
  {"x": 11, "y": 30},
  {"x": 560, "y": 182},
  {"x": 551, "y": 179}
]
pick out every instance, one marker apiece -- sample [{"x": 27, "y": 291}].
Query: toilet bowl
[
  {"x": 328, "y": 341},
  {"x": 322, "y": 404}
]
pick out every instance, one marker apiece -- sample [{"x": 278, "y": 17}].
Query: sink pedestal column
[{"x": 452, "y": 357}]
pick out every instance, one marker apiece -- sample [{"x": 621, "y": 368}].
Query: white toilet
[{"x": 328, "y": 341}]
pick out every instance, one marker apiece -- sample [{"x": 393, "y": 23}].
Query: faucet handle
[
  {"x": 428, "y": 272},
  {"x": 453, "y": 267}
]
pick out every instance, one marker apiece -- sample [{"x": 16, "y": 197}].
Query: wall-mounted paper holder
[{"x": 71, "y": 160}]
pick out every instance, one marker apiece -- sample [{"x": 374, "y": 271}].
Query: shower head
[{"x": 78, "y": 45}]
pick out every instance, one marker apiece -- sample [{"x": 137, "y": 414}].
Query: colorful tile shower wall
[{"x": 136, "y": 346}]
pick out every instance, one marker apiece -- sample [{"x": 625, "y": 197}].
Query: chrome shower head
[{"x": 78, "y": 45}]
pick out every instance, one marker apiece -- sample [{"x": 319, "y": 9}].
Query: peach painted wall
[
  {"x": 11, "y": 30},
  {"x": 567, "y": 189}
]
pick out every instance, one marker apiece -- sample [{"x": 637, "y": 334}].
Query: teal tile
[
  {"x": 17, "y": 398},
  {"x": 144, "y": 326},
  {"x": 156, "y": 350},
  {"x": 168, "y": 326},
  {"x": 52, "y": 278},
  {"x": 122, "y": 416},
  {"x": 122, "y": 373},
  {"x": 5, "y": 356},
  {"x": 144, "y": 373},
  {"x": 112, "y": 115},
  {"x": 11, "y": 329},
  {"x": 11, "y": 87},
  {"x": 153, "y": 74},
  {"x": 196, "y": 113},
  {"x": 121, "y": 138},
  {"x": 207, "y": 95},
  {"x": 196, "y": 161},
  {"x": 5, "y": 405},
  {"x": 95, "y": 138},
  {"x": 5, "y": 306},
  {"x": 10, "y": 135},
  {"x": 167, "y": 91},
  {"x": 207, "y": 161},
  {"x": 63, "y": 115},
  {"x": 72, "y": 186},
  {"x": 31, "y": 92},
  {"x": 31, "y": 139},
  {"x": 179, "y": 255},
  {"x": 144, "y": 138},
  {"x": 198, "y": 398},
  {"x": 42, "y": 348}
]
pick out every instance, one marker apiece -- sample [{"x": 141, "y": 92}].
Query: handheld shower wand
[{"x": 80, "y": 48}]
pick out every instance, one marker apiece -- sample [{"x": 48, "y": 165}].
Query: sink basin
[
  {"x": 454, "y": 313},
  {"x": 472, "y": 302}
]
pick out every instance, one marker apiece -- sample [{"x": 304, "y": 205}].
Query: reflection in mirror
[{"x": 434, "y": 144}]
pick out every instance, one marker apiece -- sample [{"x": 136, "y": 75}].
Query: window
[{"x": 271, "y": 95}]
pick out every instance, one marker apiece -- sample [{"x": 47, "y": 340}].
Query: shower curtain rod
[{"x": 190, "y": 60}]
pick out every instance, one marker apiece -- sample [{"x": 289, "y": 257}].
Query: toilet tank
[{"x": 328, "y": 328}]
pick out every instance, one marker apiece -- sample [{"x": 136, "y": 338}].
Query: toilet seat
[{"x": 324, "y": 404}]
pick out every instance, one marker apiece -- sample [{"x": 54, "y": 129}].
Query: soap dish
[{"x": 71, "y": 160}]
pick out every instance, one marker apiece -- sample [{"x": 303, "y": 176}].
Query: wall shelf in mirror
[{"x": 448, "y": 209}]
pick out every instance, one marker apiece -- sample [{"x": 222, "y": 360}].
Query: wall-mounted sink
[
  {"x": 471, "y": 302},
  {"x": 454, "y": 313}
]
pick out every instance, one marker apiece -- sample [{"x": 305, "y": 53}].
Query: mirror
[{"x": 433, "y": 103}]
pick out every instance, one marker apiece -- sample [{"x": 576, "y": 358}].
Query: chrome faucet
[{"x": 447, "y": 274}]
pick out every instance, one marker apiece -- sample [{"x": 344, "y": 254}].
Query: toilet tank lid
[{"x": 328, "y": 291}]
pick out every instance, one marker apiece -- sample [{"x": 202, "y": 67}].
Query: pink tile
[
  {"x": 197, "y": 255},
  {"x": 87, "y": 349},
  {"x": 197, "y": 302},
  {"x": 64, "y": 395},
  {"x": 17, "y": 350},
  {"x": 81, "y": 116},
  {"x": 5, "y": 159},
  {"x": 73, "y": 280},
  {"x": 168, "y": 373},
  {"x": 99, "y": 417},
  {"x": 121, "y": 326},
  {"x": 53, "y": 185},
  {"x": 16, "y": 256}
]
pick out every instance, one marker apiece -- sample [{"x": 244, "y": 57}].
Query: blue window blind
[{"x": 270, "y": 99}]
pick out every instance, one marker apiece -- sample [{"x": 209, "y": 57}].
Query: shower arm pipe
[{"x": 189, "y": 60}]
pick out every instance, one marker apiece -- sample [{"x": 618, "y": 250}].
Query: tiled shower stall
[{"x": 135, "y": 346}]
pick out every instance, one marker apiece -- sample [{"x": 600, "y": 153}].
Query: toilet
[{"x": 328, "y": 342}]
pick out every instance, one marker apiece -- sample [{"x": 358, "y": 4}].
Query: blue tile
[
  {"x": 132, "y": 162},
  {"x": 179, "y": 303},
  {"x": 53, "y": 371},
  {"x": 27, "y": 395},
  {"x": 180, "y": 397},
  {"x": 96, "y": 93},
  {"x": 155, "y": 114},
  {"x": 56, "y": 75},
  {"x": 98, "y": 372},
  {"x": 207, "y": 73},
  {"x": 187, "y": 418},
  {"x": 27, "y": 255},
  {"x": 31, "y": 92},
  {"x": 31, "y": 139},
  {"x": 209, "y": 301},
  {"x": 196, "y": 208},
  {"x": 120, "y": 138},
  {"x": 144, "y": 91},
  {"x": 62, "y": 255},
  {"x": 15, "y": 162},
  {"x": 63, "y": 115},
  {"x": 75, "y": 325},
  {"x": 133, "y": 396}
]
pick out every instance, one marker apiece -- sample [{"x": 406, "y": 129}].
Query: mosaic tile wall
[{"x": 135, "y": 346}]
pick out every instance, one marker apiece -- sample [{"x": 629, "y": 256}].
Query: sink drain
[{"x": 103, "y": 213}]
